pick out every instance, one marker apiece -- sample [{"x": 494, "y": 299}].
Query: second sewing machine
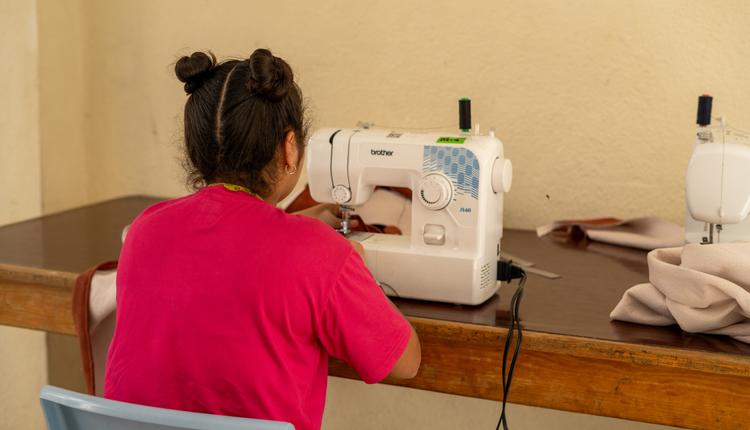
[
  {"x": 717, "y": 185},
  {"x": 458, "y": 181}
]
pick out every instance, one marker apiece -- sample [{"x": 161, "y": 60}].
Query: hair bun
[
  {"x": 193, "y": 70},
  {"x": 270, "y": 77}
]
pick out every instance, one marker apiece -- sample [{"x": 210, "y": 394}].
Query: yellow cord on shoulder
[{"x": 235, "y": 188}]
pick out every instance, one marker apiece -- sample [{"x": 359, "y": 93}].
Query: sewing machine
[
  {"x": 458, "y": 181},
  {"x": 717, "y": 185}
]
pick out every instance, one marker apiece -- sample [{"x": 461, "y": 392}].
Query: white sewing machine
[
  {"x": 717, "y": 185},
  {"x": 458, "y": 181}
]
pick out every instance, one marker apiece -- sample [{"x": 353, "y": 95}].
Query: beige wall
[
  {"x": 20, "y": 193},
  {"x": 22, "y": 359},
  {"x": 594, "y": 99},
  {"x": 62, "y": 117},
  {"x": 387, "y": 407}
]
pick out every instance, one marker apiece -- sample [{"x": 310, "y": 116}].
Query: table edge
[
  {"x": 483, "y": 335},
  {"x": 38, "y": 276},
  {"x": 704, "y": 361}
]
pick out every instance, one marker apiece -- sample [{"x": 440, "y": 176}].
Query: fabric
[
  {"x": 102, "y": 322},
  {"x": 390, "y": 207},
  {"x": 387, "y": 211},
  {"x": 93, "y": 302},
  {"x": 228, "y": 305},
  {"x": 642, "y": 233},
  {"x": 703, "y": 288},
  {"x": 103, "y": 294}
]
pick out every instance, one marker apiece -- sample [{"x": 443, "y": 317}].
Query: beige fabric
[
  {"x": 102, "y": 298},
  {"x": 702, "y": 288},
  {"x": 102, "y": 318},
  {"x": 643, "y": 233},
  {"x": 383, "y": 207},
  {"x": 387, "y": 208}
]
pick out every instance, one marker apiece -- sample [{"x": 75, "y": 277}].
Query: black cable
[
  {"x": 506, "y": 272},
  {"x": 515, "y": 319},
  {"x": 383, "y": 286}
]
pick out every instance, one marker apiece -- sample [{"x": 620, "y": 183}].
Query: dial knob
[
  {"x": 502, "y": 175},
  {"x": 435, "y": 191},
  {"x": 341, "y": 194}
]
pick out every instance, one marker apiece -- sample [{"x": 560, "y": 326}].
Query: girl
[{"x": 226, "y": 304}]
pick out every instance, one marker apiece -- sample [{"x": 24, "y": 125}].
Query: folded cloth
[
  {"x": 702, "y": 288},
  {"x": 643, "y": 233}
]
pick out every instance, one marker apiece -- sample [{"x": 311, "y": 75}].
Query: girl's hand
[{"x": 329, "y": 213}]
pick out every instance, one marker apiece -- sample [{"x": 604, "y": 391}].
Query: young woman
[{"x": 226, "y": 304}]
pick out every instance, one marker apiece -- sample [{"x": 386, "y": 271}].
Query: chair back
[{"x": 68, "y": 410}]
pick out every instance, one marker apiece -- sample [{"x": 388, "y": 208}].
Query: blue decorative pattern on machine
[{"x": 459, "y": 164}]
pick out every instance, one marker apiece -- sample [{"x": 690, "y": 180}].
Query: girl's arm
[{"x": 408, "y": 364}]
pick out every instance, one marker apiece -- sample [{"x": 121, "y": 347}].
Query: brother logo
[{"x": 381, "y": 152}]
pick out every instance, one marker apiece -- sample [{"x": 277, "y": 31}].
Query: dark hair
[{"x": 237, "y": 114}]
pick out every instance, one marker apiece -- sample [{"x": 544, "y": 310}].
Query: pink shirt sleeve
[{"x": 359, "y": 324}]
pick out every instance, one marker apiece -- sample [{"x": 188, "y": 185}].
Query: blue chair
[{"x": 68, "y": 410}]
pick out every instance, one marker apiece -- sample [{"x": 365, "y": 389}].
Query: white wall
[{"x": 22, "y": 358}]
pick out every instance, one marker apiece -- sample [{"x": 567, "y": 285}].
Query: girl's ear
[{"x": 291, "y": 152}]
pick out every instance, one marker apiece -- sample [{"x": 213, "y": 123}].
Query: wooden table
[{"x": 573, "y": 357}]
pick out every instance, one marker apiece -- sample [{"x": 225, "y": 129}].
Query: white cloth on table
[{"x": 702, "y": 288}]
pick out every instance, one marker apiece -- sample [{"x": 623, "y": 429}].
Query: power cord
[
  {"x": 507, "y": 271},
  {"x": 383, "y": 286}
]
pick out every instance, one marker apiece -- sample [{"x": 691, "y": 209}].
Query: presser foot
[{"x": 345, "y": 228}]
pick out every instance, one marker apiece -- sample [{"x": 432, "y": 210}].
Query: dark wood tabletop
[
  {"x": 73, "y": 240},
  {"x": 593, "y": 276}
]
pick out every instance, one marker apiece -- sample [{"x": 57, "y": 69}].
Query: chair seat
[{"x": 68, "y": 410}]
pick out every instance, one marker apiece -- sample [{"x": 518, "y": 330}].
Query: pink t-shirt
[{"x": 227, "y": 305}]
